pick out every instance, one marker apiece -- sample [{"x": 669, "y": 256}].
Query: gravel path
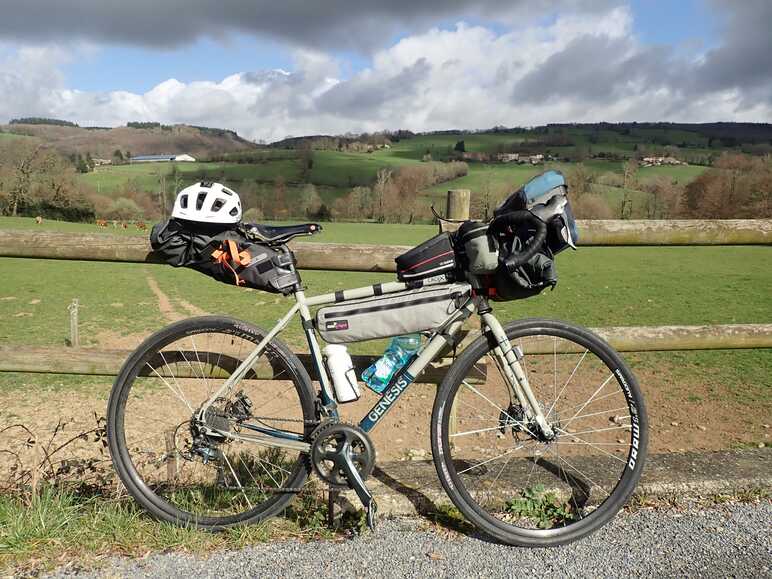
[{"x": 730, "y": 540}]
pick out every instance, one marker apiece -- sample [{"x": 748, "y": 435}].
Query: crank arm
[{"x": 355, "y": 482}]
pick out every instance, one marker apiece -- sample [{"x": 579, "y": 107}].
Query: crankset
[{"x": 344, "y": 456}]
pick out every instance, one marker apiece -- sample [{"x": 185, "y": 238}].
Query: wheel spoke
[
  {"x": 549, "y": 412},
  {"x": 536, "y": 482},
  {"x": 204, "y": 477},
  {"x": 504, "y": 412}
]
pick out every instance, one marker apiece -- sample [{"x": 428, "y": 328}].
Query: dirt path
[{"x": 167, "y": 308}]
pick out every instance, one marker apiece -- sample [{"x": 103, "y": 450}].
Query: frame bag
[
  {"x": 394, "y": 314},
  {"x": 226, "y": 255}
]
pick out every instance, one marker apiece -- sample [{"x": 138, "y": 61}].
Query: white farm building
[{"x": 185, "y": 158}]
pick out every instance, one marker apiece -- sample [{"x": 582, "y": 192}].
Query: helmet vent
[
  {"x": 184, "y": 201},
  {"x": 200, "y": 200},
  {"x": 217, "y": 205},
  {"x": 234, "y": 211}
]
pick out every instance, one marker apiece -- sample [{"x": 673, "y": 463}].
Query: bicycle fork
[{"x": 508, "y": 359}]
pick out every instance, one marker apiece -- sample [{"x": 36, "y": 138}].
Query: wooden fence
[{"x": 378, "y": 258}]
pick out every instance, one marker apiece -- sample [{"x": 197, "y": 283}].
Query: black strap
[
  {"x": 308, "y": 324},
  {"x": 339, "y": 296},
  {"x": 378, "y": 289}
]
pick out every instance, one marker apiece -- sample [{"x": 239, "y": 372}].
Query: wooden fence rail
[
  {"x": 379, "y": 258},
  {"x": 89, "y": 361},
  {"x": 363, "y": 257}
]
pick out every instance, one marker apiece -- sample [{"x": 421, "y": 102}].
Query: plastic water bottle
[
  {"x": 344, "y": 378},
  {"x": 400, "y": 349}
]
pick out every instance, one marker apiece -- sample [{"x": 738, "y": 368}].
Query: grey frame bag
[{"x": 394, "y": 314}]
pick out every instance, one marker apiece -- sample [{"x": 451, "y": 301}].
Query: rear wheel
[
  {"x": 159, "y": 449},
  {"x": 503, "y": 473}
]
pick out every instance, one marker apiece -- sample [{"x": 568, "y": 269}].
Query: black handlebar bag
[
  {"x": 529, "y": 279},
  {"x": 225, "y": 254}
]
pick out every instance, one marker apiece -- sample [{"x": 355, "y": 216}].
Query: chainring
[{"x": 329, "y": 442}]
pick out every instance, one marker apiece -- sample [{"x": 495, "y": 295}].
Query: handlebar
[{"x": 514, "y": 219}]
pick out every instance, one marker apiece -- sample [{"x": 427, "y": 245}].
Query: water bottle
[
  {"x": 344, "y": 378},
  {"x": 400, "y": 349}
]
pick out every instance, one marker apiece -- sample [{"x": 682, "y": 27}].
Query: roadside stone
[
  {"x": 417, "y": 454},
  {"x": 674, "y": 423}
]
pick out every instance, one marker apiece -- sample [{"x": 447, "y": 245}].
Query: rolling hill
[{"x": 153, "y": 139}]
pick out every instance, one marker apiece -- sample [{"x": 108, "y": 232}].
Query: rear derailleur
[
  {"x": 209, "y": 429},
  {"x": 344, "y": 456}
]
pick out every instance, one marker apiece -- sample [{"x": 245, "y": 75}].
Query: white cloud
[{"x": 576, "y": 68}]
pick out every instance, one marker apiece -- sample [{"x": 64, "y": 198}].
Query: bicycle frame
[{"x": 507, "y": 358}]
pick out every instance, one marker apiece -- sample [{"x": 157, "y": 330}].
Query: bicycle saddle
[{"x": 278, "y": 234}]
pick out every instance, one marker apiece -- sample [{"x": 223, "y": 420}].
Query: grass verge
[{"x": 56, "y": 527}]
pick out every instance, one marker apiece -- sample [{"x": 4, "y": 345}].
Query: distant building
[
  {"x": 658, "y": 161},
  {"x": 185, "y": 158},
  {"x": 98, "y": 162}
]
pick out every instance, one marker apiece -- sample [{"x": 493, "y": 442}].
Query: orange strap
[{"x": 229, "y": 252}]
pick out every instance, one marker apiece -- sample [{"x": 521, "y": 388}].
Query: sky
[{"x": 269, "y": 69}]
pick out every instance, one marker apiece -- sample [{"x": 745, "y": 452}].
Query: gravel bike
[{"x": 538, "y": 430}]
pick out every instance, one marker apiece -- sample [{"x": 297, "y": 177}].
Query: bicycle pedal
[{"x": 371, "y": 511}]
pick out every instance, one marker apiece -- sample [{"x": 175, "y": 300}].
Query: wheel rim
[
  {"x": 532, "y": 487},
  {"x": 219, "y": 481}
]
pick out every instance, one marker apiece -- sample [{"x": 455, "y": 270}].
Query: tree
[
  {"x": 306, "y": 159},
  {"x": 579, "y": 180},
  {"x": 117, "y": 157},
  {"x": 309, "y": 201},
  {"x": 81, "y": 165},
  {"x": 630, "y": 172},
  {"x": 460, "y": 147},
  {"x": 381, "y": 190}
]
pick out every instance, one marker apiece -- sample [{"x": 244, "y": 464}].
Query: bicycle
[{"x": 538, "y": 429}]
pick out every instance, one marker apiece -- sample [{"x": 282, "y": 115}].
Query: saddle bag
[
  {"x": 433, "y": 257},
  {"x": 395, "y": 314},
  {"x": 226, "y": 255}
]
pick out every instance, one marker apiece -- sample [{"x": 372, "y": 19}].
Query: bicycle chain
[{"x": 296, "y": 420}]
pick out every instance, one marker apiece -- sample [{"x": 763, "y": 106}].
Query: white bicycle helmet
[{"x": 207, "y": 202}]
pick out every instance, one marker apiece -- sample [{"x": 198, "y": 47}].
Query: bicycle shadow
[{"x": 450, "y": 518}]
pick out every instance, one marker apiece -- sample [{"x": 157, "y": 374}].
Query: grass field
[{"x": 598, "y": 287}]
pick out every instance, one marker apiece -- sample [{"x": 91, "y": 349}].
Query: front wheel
[{"x": 503, "y": 473}]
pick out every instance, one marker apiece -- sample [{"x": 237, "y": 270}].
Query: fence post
[
  {"x": 456, "y": 208},
  {"x": 74, "y": 334},
  {"x": 458, "y": 204}
]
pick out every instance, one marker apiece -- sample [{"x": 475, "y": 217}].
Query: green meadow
[{"x": 621, "y": 286}]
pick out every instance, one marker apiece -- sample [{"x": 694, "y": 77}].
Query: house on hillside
[
  {"x": 658, "y": 161},
  {"x": 184, "y": 158}
]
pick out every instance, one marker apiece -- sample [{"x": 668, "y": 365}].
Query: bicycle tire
[
  {"x": 447, "y": 467},
  {"x": 142, "y": 490}
]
